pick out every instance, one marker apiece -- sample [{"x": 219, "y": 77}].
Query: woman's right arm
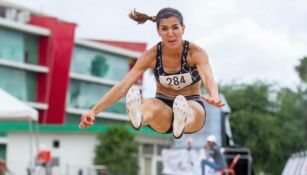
[{"x": 119, "y": 90}]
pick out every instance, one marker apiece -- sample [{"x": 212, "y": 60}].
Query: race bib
[{"x": 176, "y": 82}]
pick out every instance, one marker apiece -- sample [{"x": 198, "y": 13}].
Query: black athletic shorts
[{"x": 170, "y": 100}]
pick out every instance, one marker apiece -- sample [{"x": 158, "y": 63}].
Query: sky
[{"x": 246, "y": 40}]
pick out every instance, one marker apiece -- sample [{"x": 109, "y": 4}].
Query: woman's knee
[
  {"x": 197, "y": 108},
  {"x": 156, "y": 112},
  {"x": 155, "y": 107},
  {"x": 149, "y": 108},
  {"x": 197, "y": 121}
]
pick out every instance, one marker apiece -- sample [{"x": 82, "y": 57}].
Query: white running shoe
[
  {"x": 133, "y": 105},
  {"x": 181, "y": 112}
]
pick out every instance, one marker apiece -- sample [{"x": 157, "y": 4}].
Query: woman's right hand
[
  {"x": 215, "y": 101},
  {"x": 87, "y": 119}
]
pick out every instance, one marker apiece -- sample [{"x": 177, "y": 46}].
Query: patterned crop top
[{"x": 185, "y": 77}]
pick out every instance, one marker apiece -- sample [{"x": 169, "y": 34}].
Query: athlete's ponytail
[{"x": 141, "y": 18}]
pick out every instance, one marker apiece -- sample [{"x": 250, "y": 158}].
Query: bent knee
[
  {"x": 150, "y": 107},
  {"x": 161, "y": 128},
  {"x": 156, "y": 107}
]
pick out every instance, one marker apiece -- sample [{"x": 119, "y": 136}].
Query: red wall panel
[{"x": 55, "y": 52}]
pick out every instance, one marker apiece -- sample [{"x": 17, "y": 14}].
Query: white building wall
[{"x": 76, "y": 150}]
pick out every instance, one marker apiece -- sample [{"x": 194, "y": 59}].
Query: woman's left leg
[
  {"x": 196, "y": 120},
  {"x": 189, "y": 116}
]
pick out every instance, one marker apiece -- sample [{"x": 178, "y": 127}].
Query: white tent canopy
[{"x": 12, "y": 108}]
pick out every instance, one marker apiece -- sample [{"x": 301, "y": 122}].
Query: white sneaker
[
  {"x": 133, "y": 105},
  {"x": 181, "y": 112}
]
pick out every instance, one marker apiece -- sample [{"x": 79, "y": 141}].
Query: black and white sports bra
[{"x": 185, "y": 77}]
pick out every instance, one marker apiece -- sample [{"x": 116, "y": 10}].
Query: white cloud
[{"x": 245, "y": 52}]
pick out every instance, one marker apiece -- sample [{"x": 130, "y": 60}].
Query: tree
[
  {"x": 300, "y": 99},
  {"x": 270, "y": 123},
  {"x": 254, "y": 124},
  {"x": 292, "y": 112},
  {"x": 302, "y": 69},
  {"x": 118, "y": 151}
]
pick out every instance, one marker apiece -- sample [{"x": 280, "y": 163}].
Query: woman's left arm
[{"x": 201, "y": 60}]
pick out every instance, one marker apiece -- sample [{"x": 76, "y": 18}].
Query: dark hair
[{"x": 141, "y": 18}]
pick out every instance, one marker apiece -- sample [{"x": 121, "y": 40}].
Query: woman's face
[{"x": 171, "y": 31}]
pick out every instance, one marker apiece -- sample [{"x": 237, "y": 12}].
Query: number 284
[{"x": 175, "y": 80}]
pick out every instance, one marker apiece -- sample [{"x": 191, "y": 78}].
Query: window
[
  {"x": 19, "y": 83},
  {"x": 3, "y": 151},
  {"x": 18, "y": 46},
  {"x": 160, "y": 168},
  {"x": 30, "y": 49},
  {"x": 148, "y": 162},
  {"x": 99, "y": 66},
  {"x": 161, "y": 147},
  {"x": 56, "y": 144},
  {"x": 85, "y": 95},
  {"x": 148, "y": 149},
  {"x": 2, "y": 11},
  {"x": 98, "y": 63}
]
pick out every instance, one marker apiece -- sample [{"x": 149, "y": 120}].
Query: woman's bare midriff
[{"x": 193, "y": 89}]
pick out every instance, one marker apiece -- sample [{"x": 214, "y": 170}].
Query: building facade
[{"x": 43, "y": 65}]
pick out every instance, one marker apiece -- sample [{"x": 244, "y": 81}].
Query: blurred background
[{"x": 57, "y": 58}]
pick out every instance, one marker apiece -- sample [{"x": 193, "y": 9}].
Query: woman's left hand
[{"x": 213, "y": 101}]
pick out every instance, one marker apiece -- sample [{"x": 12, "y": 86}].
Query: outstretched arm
[
  {"x": 204, "y": 69},
  {"x": 117, "y": 91}
]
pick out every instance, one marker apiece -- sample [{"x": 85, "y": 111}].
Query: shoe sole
[
  {"x": 180, "y": 109},
  {"x": 133, "y": 106}
]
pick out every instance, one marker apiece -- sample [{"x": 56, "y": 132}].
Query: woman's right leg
[
  {"x": 152, "y": 112},
  {"x": 211, "y": 164},
  {"x": 157, "y": 115}
]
